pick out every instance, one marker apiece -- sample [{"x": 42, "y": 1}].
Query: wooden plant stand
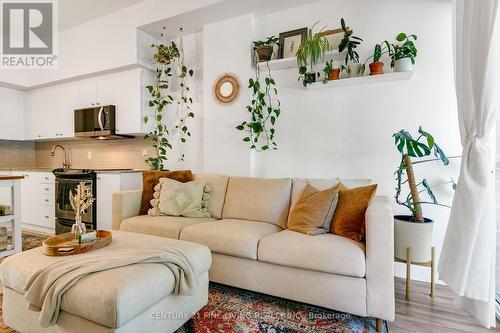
[{"x": 431, "y": 264}]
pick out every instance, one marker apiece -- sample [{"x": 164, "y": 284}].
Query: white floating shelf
[
  {"x": 6, "y": 218},
  {"x": 278, "y": 64},
  {"x": 355, "y": 81}
]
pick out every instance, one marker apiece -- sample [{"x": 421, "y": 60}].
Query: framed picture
[
  {"x": 290, "y": 42},
  {"x": 334, "y": 37}
]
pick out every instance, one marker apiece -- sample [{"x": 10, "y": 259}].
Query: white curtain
[{"x": 467, "y": 261}]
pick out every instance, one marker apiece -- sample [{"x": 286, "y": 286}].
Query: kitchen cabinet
[
  {"x": 126, "y": 90},
  {"x": 49, "y": 111},
  {"x": 11, "y": 114},
  {"x": 107, "y": 184},
  {"x": 37, "y": 198}
]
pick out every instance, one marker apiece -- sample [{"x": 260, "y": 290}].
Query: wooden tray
[{"x": 64, "y": 245}]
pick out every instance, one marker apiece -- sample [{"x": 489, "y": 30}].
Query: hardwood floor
[{"x": 424, "y": 314}]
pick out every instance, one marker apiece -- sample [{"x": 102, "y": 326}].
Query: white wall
[
  {"x": 345, "y": 131},
  {"x": 226, "y": 48}
]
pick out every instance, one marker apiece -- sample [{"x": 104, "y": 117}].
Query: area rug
[
  {"x": 240, "y": 311},
  {"x": 234, "y": 310}
]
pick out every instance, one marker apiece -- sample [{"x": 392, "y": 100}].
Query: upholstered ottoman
[{"x": 134, "y": 298}]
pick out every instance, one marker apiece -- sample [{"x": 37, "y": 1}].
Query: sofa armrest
[
  {"x": 380, "y": 297},
  {"x": 125, "y": 204}
]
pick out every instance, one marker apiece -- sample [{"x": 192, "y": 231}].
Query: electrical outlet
[
  {"x": 89, "y": 155},
  {"x": 144, "y": 152}
]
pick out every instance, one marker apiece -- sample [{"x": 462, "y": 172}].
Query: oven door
[{"x": 63, "y": 206}]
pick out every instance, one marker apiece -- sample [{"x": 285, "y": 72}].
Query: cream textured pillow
[{"x": 174, "y": 198}]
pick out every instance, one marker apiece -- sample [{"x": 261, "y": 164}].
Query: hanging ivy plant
[
  {"x": 185, "y": 102},
  {"x": 160, "y": 98},
  {"x": 264, "y": 110}
]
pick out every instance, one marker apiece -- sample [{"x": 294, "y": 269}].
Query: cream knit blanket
[{"x": 46, "y": 287}]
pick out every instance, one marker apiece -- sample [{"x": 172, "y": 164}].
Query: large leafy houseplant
[
  {"x": 264, "y": 110},
  {"x": 413, "y": 233},
  {"x": 410, "y": 148},
  {"x": 310, "y": 52},
  {"x": 161, "y": 98}
]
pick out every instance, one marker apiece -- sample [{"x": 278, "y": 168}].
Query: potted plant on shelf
[
  {"x": 332, "y": 72},
  {"x": 415, "y": 231},
  {"x": 310, "y": 52},
  {"x": 405, "y": 53},
  {"x": 377, "y": 66},
  {"x": 350, "y": 43},
  {"x": 265, "y": 48}
]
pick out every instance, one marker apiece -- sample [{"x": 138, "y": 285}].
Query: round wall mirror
[{"x": 226, "y": 88}]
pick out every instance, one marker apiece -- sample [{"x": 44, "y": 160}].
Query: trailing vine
[
  {"x": 185, "y": 102},
  {"x": 161, "y": 98},
  {"x": 264, "y": 109}
]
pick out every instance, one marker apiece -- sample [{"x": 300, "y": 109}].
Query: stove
[{"x": 67, "y": 180}]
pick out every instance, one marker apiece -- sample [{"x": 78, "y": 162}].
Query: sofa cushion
[
  {"x": 349, "y": 217},
  {"x": 111, "y": 297},
  {"x": 218, "y": 186},
  {"x": 150, "y": 179},
  {"x": 326, "y": 253},
  {"x": 238, "y": 238},
  {"x": 313, "y": 212},
  {"x": 165, "y": 226},
  {"x": 299, "y": 184},
  {"x": 173, "y": 198},
  {"x": 258, "y": 199}
]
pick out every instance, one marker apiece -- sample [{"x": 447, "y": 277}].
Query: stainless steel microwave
[{"x": 97, "y": 123}]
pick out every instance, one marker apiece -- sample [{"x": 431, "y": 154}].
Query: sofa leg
[{"x": 379, "y": 325}]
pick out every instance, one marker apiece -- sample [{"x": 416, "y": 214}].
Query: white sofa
[{"x": 252, "y": 249}]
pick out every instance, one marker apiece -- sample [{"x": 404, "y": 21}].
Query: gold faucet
[{"x": 66, "y": 164}]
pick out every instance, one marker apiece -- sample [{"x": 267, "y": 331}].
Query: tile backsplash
[
  {"x": 95, "y": 154},
  {"x": 17, "y": 154}
]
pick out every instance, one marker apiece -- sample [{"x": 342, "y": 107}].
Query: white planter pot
[
  {"x": 403, "y": 65},
  {"x": 414, "y": 235},
  {"x": 356, "y": 70}
]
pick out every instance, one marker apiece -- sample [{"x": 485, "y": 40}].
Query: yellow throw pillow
[
  {"x": 349, "y": 218},
  {"x": 313, "y": 211}
]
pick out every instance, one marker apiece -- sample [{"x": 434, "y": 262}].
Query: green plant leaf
[
  {"x": 430, "y": 138},
  {"x": 439, "y": 153},
  {"x": 401, "y": 37},
  {"x": 425, "y": 184}
]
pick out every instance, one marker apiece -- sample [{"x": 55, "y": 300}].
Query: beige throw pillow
[
  {"x": 174, "y": 198},
  {"x": 313, "y": 211}
]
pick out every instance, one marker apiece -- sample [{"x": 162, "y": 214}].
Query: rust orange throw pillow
[
  {"x": 151, "y": 178},
  {"x": 313, "y": 210},
  {"x": 349, "y": 218}
]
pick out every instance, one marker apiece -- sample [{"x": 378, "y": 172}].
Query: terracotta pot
[
  {"x": 334, "y": 74},
  {"x": 264, "y": 52},
  {"x": 414, "y": 235},
  {"x": 377, "y": 68}
]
